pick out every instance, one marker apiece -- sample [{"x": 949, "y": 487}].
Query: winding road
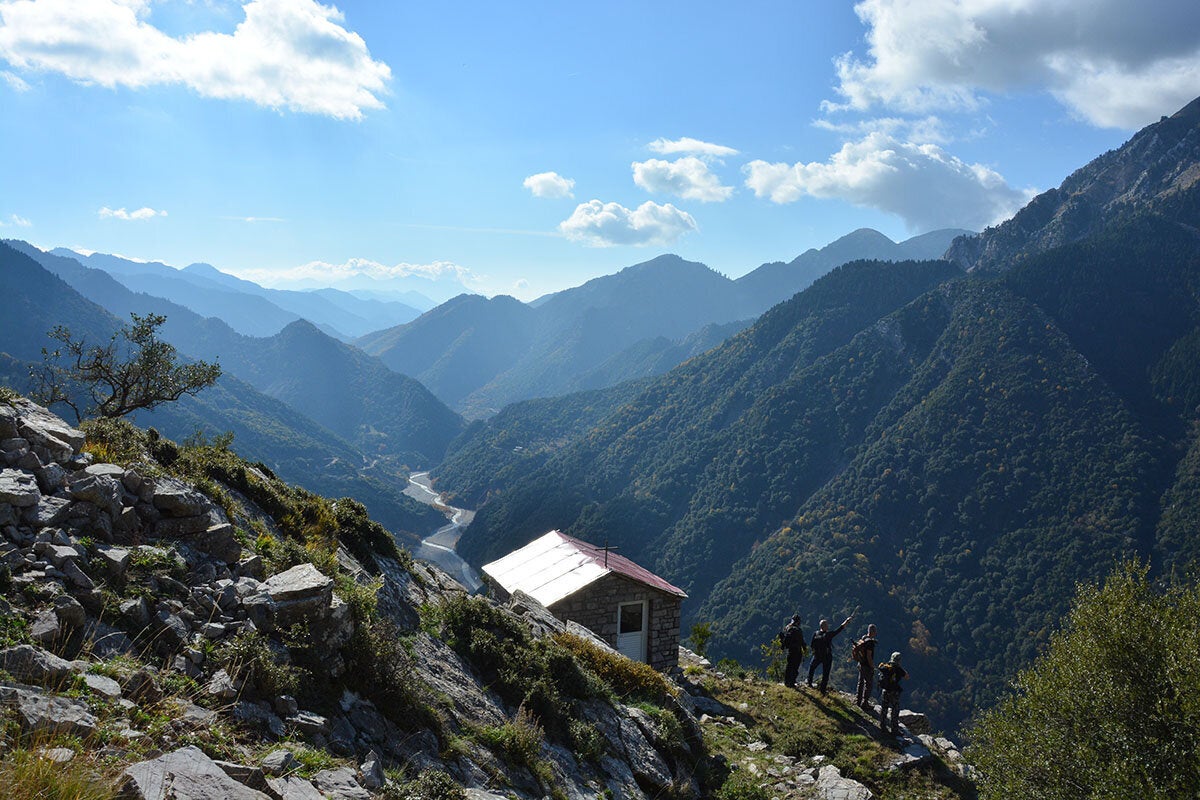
[{"x": 438, "y": 547}]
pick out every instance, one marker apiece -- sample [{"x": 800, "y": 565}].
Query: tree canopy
[
  {"x": 134, "y": 370},
  {"x": 1112, "y": 708}
]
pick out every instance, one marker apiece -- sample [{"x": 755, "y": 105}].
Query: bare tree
[{"x": 135, "y": 370}]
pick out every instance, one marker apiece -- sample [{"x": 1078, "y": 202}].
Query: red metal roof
[{"x": 622, "y": 566}]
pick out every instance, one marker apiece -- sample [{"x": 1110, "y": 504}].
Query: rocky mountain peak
[{"x": 1161, "y": 160}]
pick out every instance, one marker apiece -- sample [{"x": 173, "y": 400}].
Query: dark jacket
[
  {"x": 792, "y": 637},
  {"x": 822, "y": 642}
]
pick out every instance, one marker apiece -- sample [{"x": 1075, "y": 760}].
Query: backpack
[
  {"x": 790, "y": 636},
  {"x": 888, "y": 680},
  {"x": 858, "y": 650}
]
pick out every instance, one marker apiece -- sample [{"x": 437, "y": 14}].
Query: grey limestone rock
[
  {"x": 832, "y": 786},
  {"x": 295, "y": 788},
  {"x": 44, "y": 629},
  {"x": 372, "y": 771},
  {"x": 29, "y": 664},
  {"x": 70, "y": 611},
  {"x": 915, "y": 722},
  {"x": 174, "y": 498},
  {"x": 185, "y": 774},
  {"x": 47, "y": 434},
  {"x": 279, "y": 762},
  {"x": 50, "y": 510},
  {"x": 19, "y": 488},
  {"x": 103, "y": 491},
  {"x": 339, "y": 784},
  {"x": 40, "y": 713},
  {"x": 102, "y": 685},
  {"x": 301, "y": 582}
]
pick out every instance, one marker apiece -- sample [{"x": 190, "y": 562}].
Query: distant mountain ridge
[
  {"x": 265, "y": 429},
  {"x": 479, "y": 355},
  {"x": 245, "y": 306}
]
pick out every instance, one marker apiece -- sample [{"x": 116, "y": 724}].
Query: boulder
[
  {"x": 70, "y": 611},
  {"x": 42, "y": 714},
  {"x": 18, "y": 488},
  {"x": 218, "y": 541},
  {"x": 44, "y": 629},
  {"x": 339, "y": 784},
  {"x": 48, "y": 511},
  {"x": 103, "y": 491},
  {"x": 29, "y": 664},
  {"x": 279, "y": 762},
  {"x": 174, "y": 498},
  {"x": 102, "y": 685},
  {"x": 372, "y": 771},
  {"x": 916, "y": 723},
  {"x": 832, "y": 786},
  {"x": 295, "y": 788},
  {"x": 185, "y": 774},
  {"x": 301, "y": 582},
  {"x": 47, "y": 434}
]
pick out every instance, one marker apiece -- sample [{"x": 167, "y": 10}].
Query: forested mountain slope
[
  {"x": 660, "y": 475},
  {"x": 953, "y": 460}
]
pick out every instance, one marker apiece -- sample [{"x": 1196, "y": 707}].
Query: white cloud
[
  {"x": 253, "y": 220},
  {"x": 550, "y": 185},
  {"x": 598, "y": 224},
  {"x": 921, "y": 183},
  {"x": 325, "y": 272},
  {"x": 16, "y": 221},
  {"x": 691, "y": 146},
  {"x": 14, "y": 81},
  {"x": 285, "y": 54},
  {"x": 138, "y": 214},
  {"x": 1115, "y": 63},
  {"x": 689, "y": 178}
]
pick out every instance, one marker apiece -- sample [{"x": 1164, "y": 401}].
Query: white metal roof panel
[{"x": 555, "y": 566}]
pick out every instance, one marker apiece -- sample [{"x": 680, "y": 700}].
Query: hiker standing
[
  {"x": 822, "y": 651},
  {"x": 863, "y": 652},
  {"x": 792, "y": 639},
  {"x": 890, "y": 675}
]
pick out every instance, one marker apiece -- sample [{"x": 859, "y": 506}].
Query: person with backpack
[
  {"x": 890, "y": 675},
  {"x": 863, "y": 653},
  {"x": 792, "y": 640},
  {"x": 822, "y": 651}
]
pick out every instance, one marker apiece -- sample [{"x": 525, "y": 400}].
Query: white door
[{"x": 632, "y": 626}]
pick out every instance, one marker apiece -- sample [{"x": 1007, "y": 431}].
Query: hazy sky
[{"x": 526, "y": 147}]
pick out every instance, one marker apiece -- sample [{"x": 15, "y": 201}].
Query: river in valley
[{"x": 438, "y": 547}]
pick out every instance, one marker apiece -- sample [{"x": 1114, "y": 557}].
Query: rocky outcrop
[{"x": 1160, "y": 161}]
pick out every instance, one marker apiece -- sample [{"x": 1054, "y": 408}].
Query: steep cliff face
[{"x": 1161, "y": 160}]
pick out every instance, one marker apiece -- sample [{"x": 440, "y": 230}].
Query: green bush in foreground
[{"x": 1112, "y": 710}]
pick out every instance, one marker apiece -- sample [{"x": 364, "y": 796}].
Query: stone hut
[{"x": 624, "y": 604}]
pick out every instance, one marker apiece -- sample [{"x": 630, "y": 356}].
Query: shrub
[
  {"x": 741, "y": 785},
  {"x": 519, "y": 740},
  {"x": 429, "y": 785},
  {"x": 806, "y": 742},
  {"x": 1112, "y": 709},
  {"x": 115, "y": 441},
  {"x": 248, "y": 656},
  {"x": 628, "y": 679}
]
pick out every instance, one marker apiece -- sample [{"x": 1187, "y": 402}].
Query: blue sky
[{"x": 524, "y": 148}]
